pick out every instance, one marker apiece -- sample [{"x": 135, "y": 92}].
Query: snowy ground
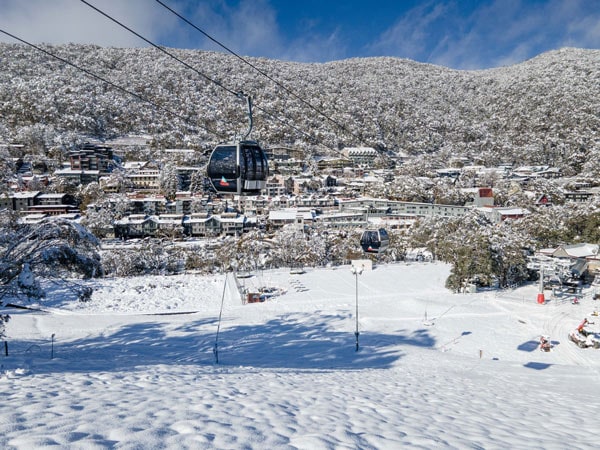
[{"x": 134, "y": 368}]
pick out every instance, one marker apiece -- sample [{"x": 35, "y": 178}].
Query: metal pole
[
  {"x": 356, "y": 333},
  {"x": 357, "y": 271},
  {"x": 216, "y": 347}
]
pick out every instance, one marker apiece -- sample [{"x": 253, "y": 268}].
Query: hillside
[{"x": 544, "y": 110}]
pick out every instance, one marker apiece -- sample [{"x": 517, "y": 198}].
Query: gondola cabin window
[
  {"x": 374, "y": 241},
  {"x": 222, "y": 168},
  {"x": 241, "y": 168}
]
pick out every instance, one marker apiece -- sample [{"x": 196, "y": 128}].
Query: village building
[
  {"x": 291, "y": 216},
  {"x": 361, "y": 156}
]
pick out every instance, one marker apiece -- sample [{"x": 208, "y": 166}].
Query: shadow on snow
[
  {"x": 298, "y": 341},
  {"x": 537, "y": 365},
  {"x": 529, "y": 346}
]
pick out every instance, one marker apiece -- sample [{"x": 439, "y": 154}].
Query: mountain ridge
[{"x": 542, "y": 110}]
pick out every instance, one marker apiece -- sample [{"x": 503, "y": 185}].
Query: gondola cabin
[
  {"x": 374, "y": 241},
  {"x": 238, "y": 168}
]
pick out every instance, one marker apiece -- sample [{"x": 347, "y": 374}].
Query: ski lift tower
[{"x": 546, "y": 266}]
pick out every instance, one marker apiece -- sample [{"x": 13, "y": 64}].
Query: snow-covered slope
[{"x": 134, "y": 367}]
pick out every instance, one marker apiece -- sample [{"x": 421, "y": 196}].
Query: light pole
[{"x": 357, "y": 271}]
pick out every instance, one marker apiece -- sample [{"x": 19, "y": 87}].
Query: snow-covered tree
[
  {"x": 100, "y": 216},
  {"x": 168, "y": 181},
  {"x": 53, "y": 248},
  {"x": 197, "y": 181},
  {"x": 7, "y": 169},
  {"x": 88, "y": 193},
  {"x": 149, "y": 258}
]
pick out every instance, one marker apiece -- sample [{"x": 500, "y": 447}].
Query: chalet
[
  {"x": 282, "y": 217},
  {"x": 280, "y": 202},
  {"x": 583, "y": 257},
  {"x": 480, "y": 197},
  {"x": 144, "y": 176},
  {"x": 551, "y": 172},
  {"x": 285, "y": 160},
  {"x": 499, "y": 214},
  {"x": 449, "y": 172},
  {"x": 88, "y": 164},
  {"x": 502, "y": 214},
  {"x": 288, "y": 166},
  {"x": 284, "y": 153},
  {"x": 92, "y": 157},
  {"x": 147, "y": 204},
  {"x": 349, "y": 219},
  {"x": 18, "y": 201},
  {"x": 578, "y": 196},
  {"x": 201, "y": 225},
  {"x": 78, "y": 176},
  {"x": 136, "y": 226},
  {"x": 185, "y": 202},
  {"x": 170, "y": 224},
  {"x": 275, "y": 186},
  {"x": 316, "y": 202},
  {"x": 576, "y": 251},
  {"x": 361, "y": 156},
  {"x": 55, "y": 199},
  {"x": 254, "y": 204},
  {"x": 543, "y": 200},
  {"x": 324, "y": 163},
  {"x": 232, "y": 224}
]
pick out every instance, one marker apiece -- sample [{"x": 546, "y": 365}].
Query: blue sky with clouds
[{"x": 461, "y": 34}]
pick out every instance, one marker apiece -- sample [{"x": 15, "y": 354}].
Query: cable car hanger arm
[{"x": 242, "y": 96}]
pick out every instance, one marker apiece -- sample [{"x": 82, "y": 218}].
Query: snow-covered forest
[{"x": 542, "y": 111}]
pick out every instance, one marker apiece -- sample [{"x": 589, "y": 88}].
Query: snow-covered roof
[
  {"x": 69, "y": 171},
  {"x": 289, "y": 214},
  {"x": 238, "y": 219},
  {"x": 52, "y": 195},
  {"x": 511, "y": 211},
  {"x": 576, "y": 250},
  {"x": 134, "y": 164},
  {"x": 25, "y": 194}
]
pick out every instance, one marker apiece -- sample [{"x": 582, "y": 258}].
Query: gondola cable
[
  {"x": 158, "y": 47},
  {"x": 110, "y": 83},
  {"x": 281, "y": 85},
  {"x": 262, "y": 72},
  {"x": 179, "y": 60}
]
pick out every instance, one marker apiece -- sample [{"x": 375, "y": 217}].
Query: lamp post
[{"x": 357, "y": 271}]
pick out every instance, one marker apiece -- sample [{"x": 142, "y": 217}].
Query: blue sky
[{"x": 462, "y": 34}]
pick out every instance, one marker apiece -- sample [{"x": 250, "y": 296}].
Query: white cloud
[
  {"x": 249, "y": 28},
  {"x": 252, "y": 28},
  {"x": 64, "y": 21},
  {"x": 497, "y": 32},
  {"x": 411, "y": 34}
]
